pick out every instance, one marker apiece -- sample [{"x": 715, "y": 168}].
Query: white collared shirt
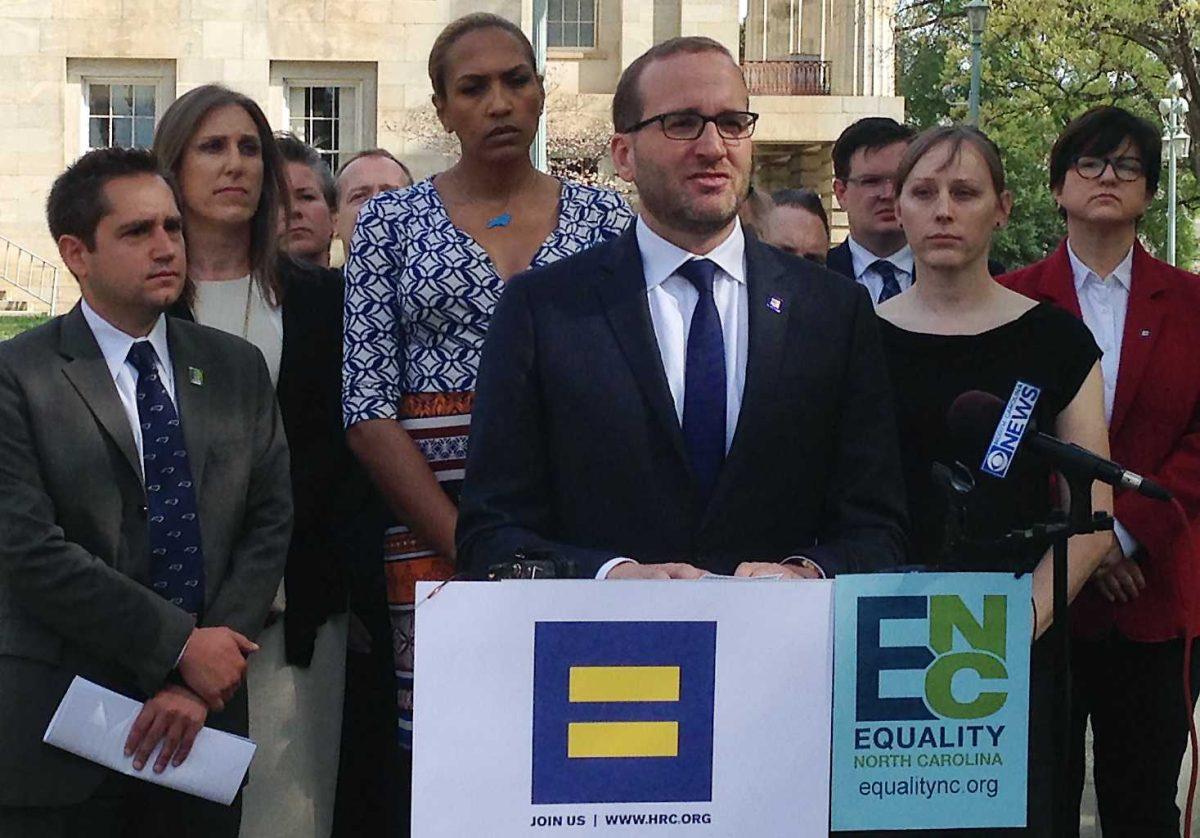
[
  {"x": 1104, "y": 301},
  {"x": 114, "y": 345},
  {"x": 673, "y": 299},
  {"x": 861, "y": 260}
]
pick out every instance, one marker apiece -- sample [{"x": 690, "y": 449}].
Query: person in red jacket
[{"x": 1130, "y": 621}]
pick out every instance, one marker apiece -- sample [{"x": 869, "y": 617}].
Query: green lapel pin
[{"x": 196, "y": 376}]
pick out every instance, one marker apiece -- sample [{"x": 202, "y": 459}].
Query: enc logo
[
  {"x": 1013, "y": 422},
  {"x": 623, "y": 712},
  {"x": 945, "y": 613}
]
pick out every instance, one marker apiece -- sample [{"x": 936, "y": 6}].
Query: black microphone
[{"x": 975, "y": 415}]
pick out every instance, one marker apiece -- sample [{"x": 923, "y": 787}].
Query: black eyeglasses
[
  {"x": 689, "y": 125},
  {"x": 1125, "y": 168}
]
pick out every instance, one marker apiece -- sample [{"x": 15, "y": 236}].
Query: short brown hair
[
  {"x": 177, "y": 127},
  {"x": 370, "y": 152},
  {"x": 956, "y": 136},
  {"x": 455, "y": 30},
  {"x": 627, "y": 99},
  {"x": 295, "y": 150},
  {"x": 805, "y": 199},
  {"x": 871, "y": 133},
  {"x": 77, "y": 200}
]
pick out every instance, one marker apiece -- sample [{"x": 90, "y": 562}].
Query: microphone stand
[{"x": 1079, "y": 520}]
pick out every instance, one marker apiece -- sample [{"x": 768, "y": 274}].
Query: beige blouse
[{"x": 237, "y": 306}]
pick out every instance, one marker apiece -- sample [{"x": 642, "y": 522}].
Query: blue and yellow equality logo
[{"x": 623, "y": 712}]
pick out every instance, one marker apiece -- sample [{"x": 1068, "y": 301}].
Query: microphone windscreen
[{"x": 972, "y": 421}]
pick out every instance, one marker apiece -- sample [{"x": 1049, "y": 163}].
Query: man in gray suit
[{"x": 145, "y": 512}]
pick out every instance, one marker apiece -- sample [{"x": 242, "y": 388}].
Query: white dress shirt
[
  {"x": 861, "y": 260},
  {"x": 672, "y": 300},
  {"x": 1104, "y": 301},
  {"x": 114, "y": 345}
]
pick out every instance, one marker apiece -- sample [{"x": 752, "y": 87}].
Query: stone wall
[{"x": 53, "y": 47}]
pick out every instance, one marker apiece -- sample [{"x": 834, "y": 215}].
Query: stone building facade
[{"x": 350, "y": 74}]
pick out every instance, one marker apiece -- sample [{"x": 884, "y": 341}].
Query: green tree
[{"x": 1046, "y": 61}]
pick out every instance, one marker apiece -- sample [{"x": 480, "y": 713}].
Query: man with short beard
[{"x": 683, "y": 399}]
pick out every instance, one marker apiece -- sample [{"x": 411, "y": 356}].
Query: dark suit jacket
[
  {"x": 576, "y": 446},
  {"x": 330, "y": 489},
  {"x": 1155, "y": 431},
  {"x": 839, "y": 260},
  {"x": 73, "y": 556}
]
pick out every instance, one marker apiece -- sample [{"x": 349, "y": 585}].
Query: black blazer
[
  {"x": 576, "y": 446},
  {"x": 328, "y": 485},
  {"x": 840, "y": 261}
]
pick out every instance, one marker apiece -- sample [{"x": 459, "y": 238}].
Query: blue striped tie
[
  {"x": 704, "y": 381},
  {"x": 173, "y": 524},
  {"x": 887, "y": 272}
]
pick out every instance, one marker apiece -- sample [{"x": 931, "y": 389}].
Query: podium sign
[
  {"x": 931, "y": 701},
  {"x": 686, "y": 708}
]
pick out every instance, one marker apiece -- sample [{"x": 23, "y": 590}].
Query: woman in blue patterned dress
[{"x": 426, "y": 267}]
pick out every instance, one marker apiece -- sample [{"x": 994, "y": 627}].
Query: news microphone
[{"x": 979, "y": 421}]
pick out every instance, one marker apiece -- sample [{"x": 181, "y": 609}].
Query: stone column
[
  {"x": 717, "y": 19},
  {"x": 637, "y": 29}
]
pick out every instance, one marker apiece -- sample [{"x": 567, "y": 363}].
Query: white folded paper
[{"x": 93, "y": 722}]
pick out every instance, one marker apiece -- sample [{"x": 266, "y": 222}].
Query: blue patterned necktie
[
  {"x": 176, "y": 559},
  {"x": 704, "y": 381},
  {"x": 887, "y": 271}
]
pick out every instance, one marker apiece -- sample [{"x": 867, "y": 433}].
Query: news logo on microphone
[
  {"x": 623, "y": 712},
  {"x": 1013, "y": 422}
]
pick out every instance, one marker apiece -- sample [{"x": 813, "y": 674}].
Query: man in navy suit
[
  {"x": 875, "y": 254},
  {"x": 684, "y": 398}
]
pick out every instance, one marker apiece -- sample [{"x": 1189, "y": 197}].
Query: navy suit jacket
[
  {"x": 576, "y": 447},
  {"x": 840, "y": 261}
]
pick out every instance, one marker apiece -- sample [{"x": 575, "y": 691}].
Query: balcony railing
[
  {"x": 30, "y": 273},
  {"x": 787, "y": 77}
]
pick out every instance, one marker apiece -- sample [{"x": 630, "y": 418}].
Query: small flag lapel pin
[
  {"x": 196, "y": 376},
  {"x": 775, "y": 304}
]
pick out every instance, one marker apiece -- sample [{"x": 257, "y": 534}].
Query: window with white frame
[
  {"x": 119, "y": 101},
  {"x": 120, "y": 114},
  {"x": 326, "y": 117},
  {"x": 571, "y": 23},
  {"x": 331, "y": 105}
]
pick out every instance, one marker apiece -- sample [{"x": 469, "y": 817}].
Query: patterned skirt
[{"x": 438, "y": 424}]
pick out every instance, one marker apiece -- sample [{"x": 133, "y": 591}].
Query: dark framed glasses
[
  {"x": 689, "y": 125},
  {"x": 1125, "y": 168}
]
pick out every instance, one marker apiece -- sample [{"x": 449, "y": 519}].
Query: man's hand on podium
[
  {"x": 669, "y": 570},
  {"x": 787, "y": 571}
]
